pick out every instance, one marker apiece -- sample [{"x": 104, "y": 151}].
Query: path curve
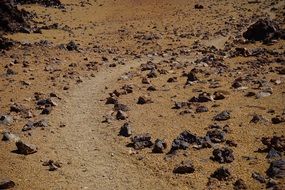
[{"x": 96, "y": 160}]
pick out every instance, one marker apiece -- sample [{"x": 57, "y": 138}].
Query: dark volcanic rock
[
  {"x": 203, "y": 142},
  {"x": 144, "y": 100},
  {"x": 5, "y": 43},
  {"x": 47, "y": 110},
  {"x": 276, "y": 142},
  {"x": 272, "y": 154},
  {"x": 152, "y": 74},
  {"x": 183, "y": 141},
  {"x": 53, "y": 165},
  {"x": 7, "y": 184},
  {"x": 201, "y": 109},
  {"x": 185, "y": 167},
  {"x": 30, "y": 125},
  {"x": 219, "y": 96},
  {"x": 151, "y": 88},
  {"x": 225, "y": 115},
  {"x": 8, "y": 136},
  {"x": 216, "y": 135},
  {"x": 141, "y": 141},
  {"x": 223, "y": 155},
  {"x": 261, "y": 30},
  {"x": 239, "y": 185},
  {"x": 46, "y": 102},
  {"x": 202, "y": 97},
  {"x": 172, "y": 79},
  {"x": 191, "y": 77},
  {"x": 159, "y": 146},
  {"x": 198, "y": 6},
  {"x": 121, "y": 115},
  {"x": 258, "y": 177},
  {"x": 71, "y": 46},
  {"x": 6, "y": 119},
  {"x": 111, "y": 100},
  {"x": 121, "y": 107},
  {"x": 221, "y": 174},
  {"x": 23, "y": 148},
  {"x": 11, "y": 18},
  {"x": 276, "y": 169},
  {"x": 277, "y": 120},
  {"x": 47, "y": 3},
  {"x": 125, "y": 130},
  {"x": 257, "y": 118}
]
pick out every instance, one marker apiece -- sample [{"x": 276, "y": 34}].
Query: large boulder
[{"x": 261, "y": 30}]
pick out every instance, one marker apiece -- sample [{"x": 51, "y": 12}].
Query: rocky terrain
[{"x": 125, "y": 94}]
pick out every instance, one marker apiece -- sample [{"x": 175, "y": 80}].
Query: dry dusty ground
[{"x": 120, "y": 43}]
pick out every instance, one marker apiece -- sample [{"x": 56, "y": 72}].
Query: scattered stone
[
  {"x": 222, "y": 174},
  {"x": 278, "y": 119},
  {"x": 231, "y": 143},
  {"x": 216, "y": 135},
  {"x": 71, "y": 46},
  {"x": 6, "y": 119},
  {"x": 272, "y": 184},
  {"x": 10, "y": 72},
  {"x": 183, "y": 141},
  {"x": 237, "y": 84},
  {"x": 179, "y": 105},
  {"x": 5, "y": 44},
  {"x": 185, "y": 167},
  {"x": 159, "y": 146},
  {"x": 203, "y": 142},
  {"x": 125, "y": 130},
  {"x": 148, "y": 66},
  {"x": 30, "y": 125},
  {"x": 144, "y": 100},
  {"x": 276, "y": 169},
  {"x": 261, "y": 30},
  {"x": 121, "y": 115},
  {"x": 250, "y": 94},
  {"x": 203, "y": 97},
  {"x": 128, "y": 88},
  {"x": 50, "y": 3},
  {"x": 24, "y": 148},
  {"x": 8, "y": 136},
  {"x": 46, "y": 110},
  {"x": 240, "y": 184},
  {"x": 111, "y": 100},
  {"x": 53, "y": 165},
  {"x": 257, "y": 118},
  {"x": 152, "y": 74},
  {"x": 151, "y": 88},
  {"x": 219, "y": 96},
  {"x": 223, "y": 155},
  {"x": 272, "y": 154},
  {"x": 172, "y": 79},
  {"x": 263, "y": 94},
  {"x": 198, "y": 6},
  {"x": 12, "y": 19},
  {"x": 121, "y": 107},
  {"x": 145, "y": 80},
  {"x": 201, "y": 109},
  {"x": 46, "y": 102},
  {"x": 276, "y": 142},
  {"x": 141, "y": 141},
  {"x": 7, "y": 184},
  {"x": 191, "y": 77},
  {"x": 224, "y": 115},
  {"x": 258, "y": 177}
]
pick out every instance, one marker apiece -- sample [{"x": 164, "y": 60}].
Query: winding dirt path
[{"x": 96, "y": 160}]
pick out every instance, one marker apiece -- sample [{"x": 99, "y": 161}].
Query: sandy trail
[{"x": 97, "y": 161}]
